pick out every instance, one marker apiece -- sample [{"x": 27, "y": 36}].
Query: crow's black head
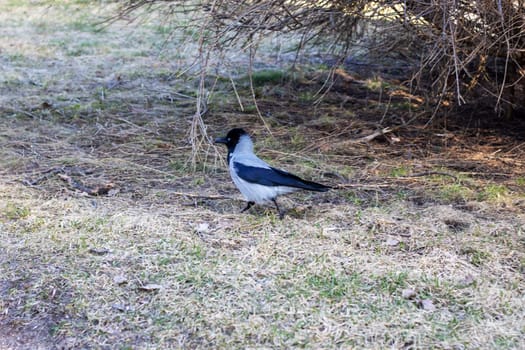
[{"x": 232, "y": 138}]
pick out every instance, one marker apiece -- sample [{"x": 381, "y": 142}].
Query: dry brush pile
[{"x": 462, "y": 51}]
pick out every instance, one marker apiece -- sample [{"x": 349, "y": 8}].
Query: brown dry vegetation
[
  {"x": 422, "y": 244},
  {"x": 461, "y": 51}
]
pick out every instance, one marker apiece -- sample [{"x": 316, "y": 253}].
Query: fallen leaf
[
  {"x": 98, "y": 190},
  {"x": 113, "y": 82},
  {"x": 427, "y": 305},
  {"x": 99, "y": 251},
  {"x": 203, "y": 227},
  {"x": 122, "y": 307},
  {"x": 408, "y": 293},
  {"x": 120, "y": 279},
  {"x": 392, "y": 242},
  {"x": 150, "y": 287},
  {"x": 395, "y": 139},
  {"x": 119, "y": 307}
]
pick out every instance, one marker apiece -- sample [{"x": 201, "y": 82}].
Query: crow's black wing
[{"x": 275, "y": 177}]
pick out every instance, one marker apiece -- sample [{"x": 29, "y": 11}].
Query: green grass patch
[
  {"x": 400, "y": 171},
  {"x": 333, "y": 286},
  {"x": 392, "y": 282},
  {"x": 85, "y": 25},
  {"x": 15, "y": 212},
  {"x": 476, "y": 257},
  {"x": 493, "y": 192},
  {"x": 455, "y": 192},
  {"x": 352, "y": 197},
  {"x": 268, "y": 77}
]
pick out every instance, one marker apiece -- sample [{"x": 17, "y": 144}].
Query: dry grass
[{"x": 387, "y": 260}]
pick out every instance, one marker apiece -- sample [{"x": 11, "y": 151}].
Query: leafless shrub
[
  {"x": 471, "y": 45},
  {"x": 465, "y": 49}
]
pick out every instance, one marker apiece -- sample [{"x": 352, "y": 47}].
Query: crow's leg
[
  {"x": 281, "y": 212},
  {"x": 248, "y": 206}
]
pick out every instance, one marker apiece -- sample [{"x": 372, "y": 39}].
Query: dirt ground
[{"x": 112, "y": 238}]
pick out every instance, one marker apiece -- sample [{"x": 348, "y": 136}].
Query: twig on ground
[
  {"x": 336, "y": 175},
  {"x": 202, "y": 196},
  {"x": 21, "y": 111},
  {"x": 124, "y": 120},
  {"x": 92, "y": 191},
  {"x": 56, "y": 170},
  {"x": 46, "y": 175},
  {"x": 361, "y": 186},
  {"x": 64, "y": 173},
  {"x": 372, "y": 136},
  {"x": 427, "y": 173}
]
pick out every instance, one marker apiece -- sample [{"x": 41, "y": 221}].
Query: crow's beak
[{"x": 221, "y": 140}]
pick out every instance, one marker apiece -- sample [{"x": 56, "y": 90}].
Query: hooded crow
[{"x": 259, "y": 182}]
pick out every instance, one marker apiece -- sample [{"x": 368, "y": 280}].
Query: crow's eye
[{"x": 228, "y": 139}]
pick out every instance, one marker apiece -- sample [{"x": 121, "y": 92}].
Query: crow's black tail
[
  {"x": 291, "y": 180},
  {"x": 314, "y": 186}
]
